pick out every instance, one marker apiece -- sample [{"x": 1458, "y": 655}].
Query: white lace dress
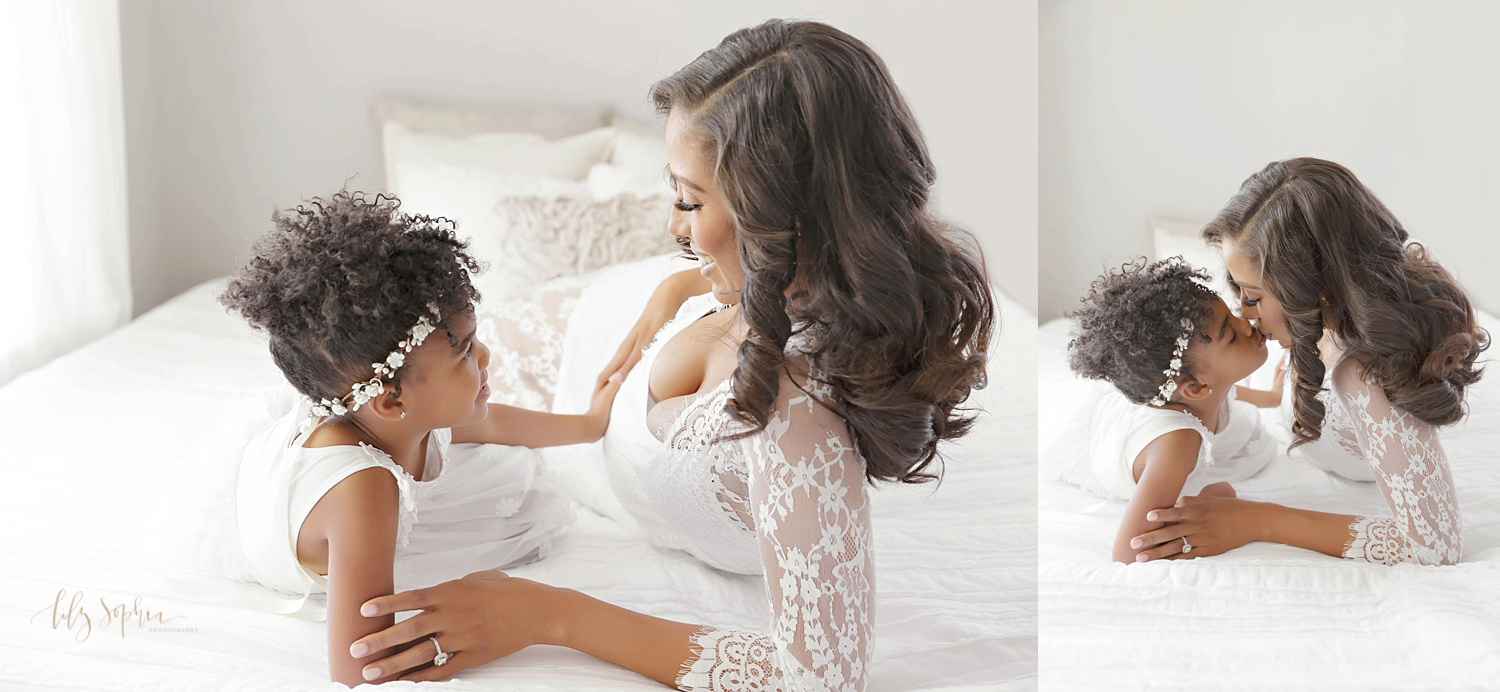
[
  {"x": 790, "y": 502},
  {"x": 1366, "y": 438}
]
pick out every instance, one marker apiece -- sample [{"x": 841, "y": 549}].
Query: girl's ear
[
  {"x": 387, "y": 407},
  {"x": 1193, "y": 390}
]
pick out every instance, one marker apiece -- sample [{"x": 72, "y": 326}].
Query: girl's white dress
[
  {"x": 1099, "y": 445},
  {"x": 789, "y": 502},
  {"x": 476, "y": 507},
  {"x": 1366, "y": 438}
]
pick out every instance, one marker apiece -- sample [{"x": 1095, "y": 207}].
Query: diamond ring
[
  {"x": 441, "y": 657},
  {"x": 1186, "y": 548}
]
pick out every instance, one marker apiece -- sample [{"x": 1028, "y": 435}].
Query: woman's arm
[
  {"x": 1215, "y": 525},
  {"x": 668, "y": 298},
  {"x": 808, "y": 497},
  {"x": 508, "y": 425},
  {"x": 1165, "y": 464},
  {"x": 361, "y": 517},
  {"x": 1409, "y": 467},
  {"x": 489, "y": 615}
]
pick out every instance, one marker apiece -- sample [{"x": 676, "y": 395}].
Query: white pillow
[
  {"x": 551, "y": 122},
  {"x": 605, "y": 311},
  {"x": 640, "y": 146},
  {"x": 508, "y": 153}
]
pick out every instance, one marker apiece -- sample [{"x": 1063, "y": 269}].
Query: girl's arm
[
  {"x": 508, "y": 425},
  {"x": 361, "y": 524},
  {"x": 1265, "y": 398},
  {"x": 1165, "y": 464}
]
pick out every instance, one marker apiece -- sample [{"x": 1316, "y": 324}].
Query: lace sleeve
[
  {"x": 808, "y": 497},
  {"x": 1409, "y": 465}
]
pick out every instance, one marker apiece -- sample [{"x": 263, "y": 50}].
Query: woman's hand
[
  {"x": 1211, "y": 524},
  {"x": 660, "y": 309},
  {"x": 477, "y": 619}
]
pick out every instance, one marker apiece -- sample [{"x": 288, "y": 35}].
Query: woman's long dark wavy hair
[
  {"x": 337, "y": 282},
  {"x": 1335, "y": 258},
  {"x": 827, "y": 177}
]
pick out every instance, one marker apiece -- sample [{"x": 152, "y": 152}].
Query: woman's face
[
  {"x": 1235, "y": 348},
  {"x": 1255, "y": 303},
  {"x": 700, "y": 219},
  {"x": 447, "y": 386}
]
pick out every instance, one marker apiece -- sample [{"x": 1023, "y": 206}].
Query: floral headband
[
  {"x": 363, "y": 392},
  {"x": 1174, "y": 368}
]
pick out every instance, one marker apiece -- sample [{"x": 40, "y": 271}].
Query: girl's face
[
  {"x": 1236, "y": 348},
  {"x": 443, "y": 386},
  {"x": 700, "y": 218},
  {"x": 1255, "y": 303}
]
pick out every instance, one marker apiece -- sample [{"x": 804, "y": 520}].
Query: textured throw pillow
[
  {"x": 549, "y": 237},
  {"x": 524, "y": 332}
]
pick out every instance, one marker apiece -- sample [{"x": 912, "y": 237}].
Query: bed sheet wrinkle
[{"x": 957, "y": 606}]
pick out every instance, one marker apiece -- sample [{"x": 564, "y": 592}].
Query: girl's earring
[{"x": 403, "y": 415}]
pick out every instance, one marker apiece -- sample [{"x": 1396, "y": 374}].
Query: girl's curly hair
[
  {"x": 338, "y": 282},
  {"x": 1128, "y": 326},
  {"x": 1335, "y": 258},
  {"x": 828, "y": 178}
]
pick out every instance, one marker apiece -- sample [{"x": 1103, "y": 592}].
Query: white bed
[
  {"x": 1271, "y": 617},
  {"x": 102, "y": 447}
]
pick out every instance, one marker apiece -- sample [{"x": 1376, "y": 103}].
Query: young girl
[
  {"x": 365, "y": 483},
  {"x": 1172, "y": 426}
]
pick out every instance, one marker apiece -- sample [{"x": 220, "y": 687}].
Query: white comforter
[
  {"x": 1272, "y": 617},
  {"x": 104, "y": 471}
]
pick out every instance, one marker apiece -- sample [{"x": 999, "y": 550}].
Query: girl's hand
[
  {"x": 477, "y": 619},
  {"x": 1211, "y": 524},
  {"x": 1278, "y": 383},
  {"x": 603, "y": 402},
  {"x": 660, "y": 309}
]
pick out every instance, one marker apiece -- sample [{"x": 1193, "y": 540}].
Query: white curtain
[{"x": 64, "y": 244}]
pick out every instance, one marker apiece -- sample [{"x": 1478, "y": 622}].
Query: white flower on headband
[
  {"x": 1168, "y": 388},
  {"x": 362, "y": 392}
]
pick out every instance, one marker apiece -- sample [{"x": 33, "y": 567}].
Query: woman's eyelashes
[
  {"x": 685, "y": 206},
  {"x": 687, "y": 246}
]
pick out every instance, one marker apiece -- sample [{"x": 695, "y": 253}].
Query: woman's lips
[
  {"x": 705, "y": 269},
  {"x": 484, "y": 392}
]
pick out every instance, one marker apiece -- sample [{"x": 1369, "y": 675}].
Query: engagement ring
[
  {"x": 1186, "y": 548},
  {"x": 442, "y": 658}
]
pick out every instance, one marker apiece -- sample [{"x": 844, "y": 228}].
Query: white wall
[
  {"x": 236, "y": 108},
  {"x": 1164, "y": 108}
]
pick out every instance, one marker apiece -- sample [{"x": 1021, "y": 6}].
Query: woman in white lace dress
[
  {"x": 849, "y": 326},
  {"x": 1383, "y": 345}
]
